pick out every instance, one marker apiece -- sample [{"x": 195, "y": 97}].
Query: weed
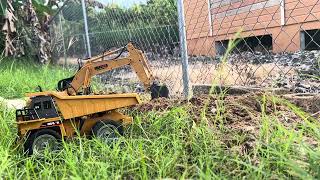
[
  {"x": 18, "y": 78},
  {"x": 170, "y": 144}
]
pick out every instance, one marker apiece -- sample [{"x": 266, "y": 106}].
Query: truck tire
[
  {"x": 42, "y": 139},
  {"x": 108, "y": 131}
]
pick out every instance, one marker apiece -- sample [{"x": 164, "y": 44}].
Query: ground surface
[
  {"x": 253, "y": 136},
  {"x": 242, "y": 113}
]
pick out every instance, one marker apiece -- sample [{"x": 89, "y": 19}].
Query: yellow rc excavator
[{"x": 55, "y": 115}]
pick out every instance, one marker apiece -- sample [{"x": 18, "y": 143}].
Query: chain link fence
[
  {"x": 278, "y": 41},
  {"x": 152, "y": 26},
  {"x": 68, "y": 41}
]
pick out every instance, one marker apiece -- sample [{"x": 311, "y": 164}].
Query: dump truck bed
[{"x": 77, "y": 106}]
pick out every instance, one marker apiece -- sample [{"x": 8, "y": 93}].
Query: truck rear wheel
[
  {"x": 108, "y": 131},
  {"x": 41, "y": 140}
]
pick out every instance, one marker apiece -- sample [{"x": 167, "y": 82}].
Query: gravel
[{"x": 305, "y": 64}]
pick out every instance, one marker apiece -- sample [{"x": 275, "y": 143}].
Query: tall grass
[
  {"x": 168, "y": 145},
  {"x": 20, "y": 76},
  {"x": 163, "y": 145}
]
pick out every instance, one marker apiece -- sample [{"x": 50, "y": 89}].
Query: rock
[
  {"x": 16, "y": 104},
  {"x": 13, "y": 104},
  {"x": 304, "y": 63},
  {"x": 302, "y": 88},
  {"x": 213, "y": 110}
]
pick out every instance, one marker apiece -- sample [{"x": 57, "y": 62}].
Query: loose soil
[{"x": 240, "y": 114}]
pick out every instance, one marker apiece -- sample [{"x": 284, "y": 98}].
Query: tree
[
  {"x": 150, "y": 24},
  {"x": 26, "y": 30},
  {"x": 26, "y": 24},
  {"x": 9, "y": 29},
  {"x": 25, "y": 27}
]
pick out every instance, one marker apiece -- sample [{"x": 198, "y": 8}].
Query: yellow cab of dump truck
[{"x": 52, "y": 116}]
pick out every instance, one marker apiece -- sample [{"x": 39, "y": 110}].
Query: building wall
[{"x": 209, "y": 21}]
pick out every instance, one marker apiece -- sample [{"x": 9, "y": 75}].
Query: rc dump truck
[{"x": 55, "y": 115}]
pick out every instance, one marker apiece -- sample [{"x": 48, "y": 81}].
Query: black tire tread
[
  {"x": 100, "y": 124},
  {"x": 28, "y": 143}
]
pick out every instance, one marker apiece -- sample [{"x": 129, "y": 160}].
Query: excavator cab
[{"x": 64, "y": 84}]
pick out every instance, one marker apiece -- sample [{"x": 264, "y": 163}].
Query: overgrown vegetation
[
  {"x": 18, "y": 77},
  {"x": 31, "y": 28},
  {"x": 171, "y": 144},
  {"x": 149, "y": 24},
  {"x": 179, "y": 141}
]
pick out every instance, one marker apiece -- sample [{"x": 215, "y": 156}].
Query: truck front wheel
[
  {"x": 41, "y": 140},
  {"x": 108, "y": 131}
]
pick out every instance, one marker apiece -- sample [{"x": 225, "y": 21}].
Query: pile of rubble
[{"x": 306, "y": 64}]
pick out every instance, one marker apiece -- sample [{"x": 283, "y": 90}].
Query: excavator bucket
[{"x": 158, "y": 91}]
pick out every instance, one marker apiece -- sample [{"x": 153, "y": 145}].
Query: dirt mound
[
  {"x": 232, "y": 108},
  {"x": 308, "y": 102},
  {"x": 243, "y": 114}
]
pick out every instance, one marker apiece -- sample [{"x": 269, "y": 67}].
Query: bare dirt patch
[
  {"x": 308, "y": 102},
  {"x": 13, "y": 103}
]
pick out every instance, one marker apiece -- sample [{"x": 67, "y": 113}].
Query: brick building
[{"x": 288, "y": 24}]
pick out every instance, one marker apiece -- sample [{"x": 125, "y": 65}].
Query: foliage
[
  {"x": 170, "y": 145},
  {"x": 150, "y": 24},
  {"x": 41, "y": 8},
  {"x": 167, "y": 144},
  {"x": 154, "y": 13},
  {"x": 21, "y": 76},
  {"x": 155, "y": 36},
  {"x": 26, "y": 27},
  {"x": 110, "y": 26},
  {"x": 3, "y": 7}
]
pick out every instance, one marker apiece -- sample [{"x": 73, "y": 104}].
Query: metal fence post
[
  {"x": 63, "y": 43},
  {"x": 183, "y": 49},
  {"x": 84, "y": 12}
]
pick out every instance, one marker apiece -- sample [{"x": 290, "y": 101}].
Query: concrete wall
[{"x": 209, "y": 21}]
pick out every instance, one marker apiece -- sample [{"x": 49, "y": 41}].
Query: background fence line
[{"x": 279, "y": 45}]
